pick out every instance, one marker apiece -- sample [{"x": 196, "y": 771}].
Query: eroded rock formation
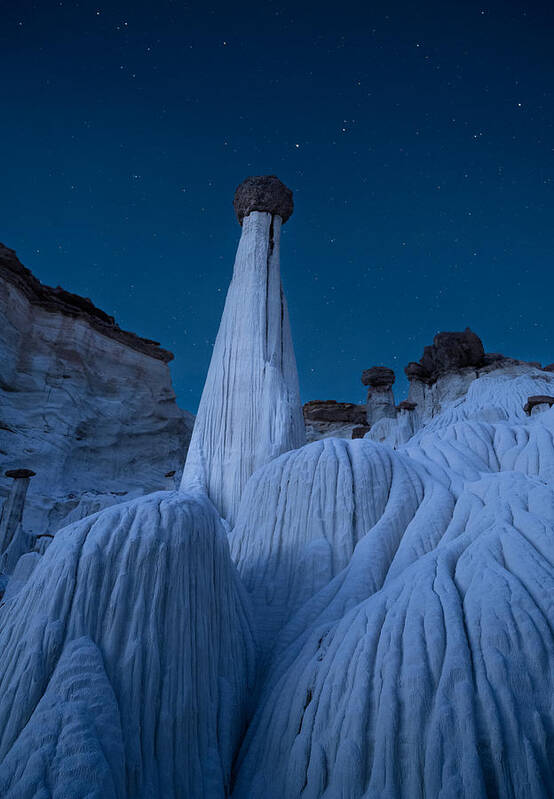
[
  {"x": 13, "y": 541},
  {"x": 448, "y": 352},
  {"x": 385, "y": 629},
  {"x": 325, "y": 418},
  {"x": 142, "y": 659},
  {"x": 449, "y": 366},
  {"x": 380, "y": 398},
  {"x": 87, "y": 406},
  {"x": 250, "y": 409},
  {"x": 538, "y": 401}
]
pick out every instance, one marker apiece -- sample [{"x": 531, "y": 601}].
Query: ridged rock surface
[
  {"x": 250, "y": 409},
  {"x": 127, "y": 659},
  {"x": 411, "y": 652},
  {"x": 87, "y": 406},
  {"x": 304, "y": 515},
  {"x": 385, "y": 631}
]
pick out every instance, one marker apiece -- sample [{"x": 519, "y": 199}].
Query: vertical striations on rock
[
  {"x": 250, "y": 409},
  {"x": 12, "y": 512},
  {"x": 12, "y": 539}
]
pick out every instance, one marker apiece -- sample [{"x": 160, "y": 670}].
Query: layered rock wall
[{"x": 87, "y": 406}]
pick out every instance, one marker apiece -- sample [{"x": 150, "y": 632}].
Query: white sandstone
[{"x": 250, "y": 409}]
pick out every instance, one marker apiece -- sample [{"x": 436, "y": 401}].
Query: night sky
[{"x": 417, "y": 138}]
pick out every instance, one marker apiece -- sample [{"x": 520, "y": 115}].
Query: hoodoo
[
  {"x": 11, "y": 515},
  {"x": 250, "y": 409}
]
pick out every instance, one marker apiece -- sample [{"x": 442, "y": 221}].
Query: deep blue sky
[{"x": 417, "y": 137}]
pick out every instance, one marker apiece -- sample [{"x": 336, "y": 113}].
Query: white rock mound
[
  {"x": 439, "y": 684},
  {"x": 407, "y": 601},
  {"x": 305, "y": 515},
  {"x": 138, "y": 610}
]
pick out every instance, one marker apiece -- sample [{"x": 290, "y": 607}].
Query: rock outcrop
[
  {"x": 442, "y": 376},
  {"x": 447, "y": 368},
  {"x": 250, "y": 409},
  {"x": 58, "y": 300},
  {"x": 538, "y": 401},
  {"x": 87, "y": 406},
  {"x": 448, "y": 352},
  {"x": 325, "y": 418}
]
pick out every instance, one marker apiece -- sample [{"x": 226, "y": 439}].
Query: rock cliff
[{"x": 87, "y": 406}]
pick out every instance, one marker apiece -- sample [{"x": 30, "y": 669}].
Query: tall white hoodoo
[{"x": 250, "y": 410}]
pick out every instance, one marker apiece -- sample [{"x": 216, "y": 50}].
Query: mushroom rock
[
  {"x": 380, "y": 398},
  {"x": 250, "y": 409},
  {"x": 378, "y": 377},
  {"x": 20, "y": 474},
  {"x": 448, "y": 352},
  {"x": 415, "y": 371}
]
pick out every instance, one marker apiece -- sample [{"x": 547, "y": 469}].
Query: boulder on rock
[
  {"x": 380, "y": 399},
  {"x": 333, "y": 411},
  {"x": 378, "y": 377},
  {"x": 537, "y": 399},
  {"x": 448, "y": 352},
  {"x": 263, "y": 193}
]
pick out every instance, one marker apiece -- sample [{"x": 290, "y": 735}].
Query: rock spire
[
  {"x": 12, "y": 539},
  {"x": 250, "y": 409},
  {"x": 12, "y": 512}
]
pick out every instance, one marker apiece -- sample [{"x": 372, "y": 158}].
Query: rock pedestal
[
  {"x": 250, "y": 409},
  {"x": 12, "y": 512},
  {"x": 13, "y": 541},
  {"x": 380, "y": 398}
]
